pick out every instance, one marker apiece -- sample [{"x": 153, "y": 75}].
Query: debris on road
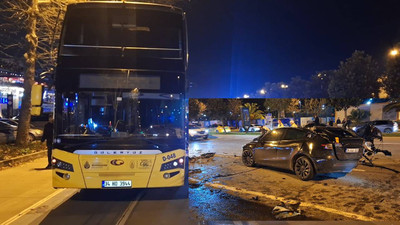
[
  {"x": 207, "y": 155},
  {"x": 192, "y": 171},
  {"x": 286, "y": 210},
  {"x": 202, "y": 156},
  {"x": 193, "y": 183},
  {"x": 255, "y": 198}
]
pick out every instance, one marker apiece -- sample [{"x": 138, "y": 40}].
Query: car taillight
[{"x": 327, "y": 146}]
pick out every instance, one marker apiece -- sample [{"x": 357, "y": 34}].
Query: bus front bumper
[{"x": 118, "y": 171}]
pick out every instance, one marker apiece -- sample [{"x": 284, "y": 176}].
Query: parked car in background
[
  {"x": 385, "y": 126},
  {"x": 9, "y": 124},
  {"x": 197, "y": 132},
  {"x": 307, "y": 152},
  {"x": 227, "y": 129},
  {"x": 254, "y": 128}
]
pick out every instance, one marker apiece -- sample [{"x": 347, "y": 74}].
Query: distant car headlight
[
  {"x": 206, "y": 130},
  {"x": 354, "y": 128},
  {"x": 192, "y": 132}
]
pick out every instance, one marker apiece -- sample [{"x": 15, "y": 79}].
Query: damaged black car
[{"x": 306, "y": 152}]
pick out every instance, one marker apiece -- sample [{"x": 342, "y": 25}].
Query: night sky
[{"x": 237, "y": 45}]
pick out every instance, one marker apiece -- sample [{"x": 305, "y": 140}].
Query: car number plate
[
  {"x": 352, "y": 150},
  {"x": 116, "y": 183}
]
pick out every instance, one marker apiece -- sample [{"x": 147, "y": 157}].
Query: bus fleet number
[{"x": 168, "y": 157}]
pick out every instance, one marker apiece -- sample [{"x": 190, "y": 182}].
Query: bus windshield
[{"x": 116, "y": 114}]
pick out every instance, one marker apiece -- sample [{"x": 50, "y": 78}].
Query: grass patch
[
  {"x": 9, "y": 151},
  {"x": 394, "y": 134}
]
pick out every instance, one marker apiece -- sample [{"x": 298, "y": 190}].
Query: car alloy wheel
[
  {"x": 387, "y": 130},
  {"x": 248, "y": 158},
  {"x": 303, "y": 168}
]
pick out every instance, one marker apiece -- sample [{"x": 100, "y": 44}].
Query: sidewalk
[{"x": 23, "y": 186}]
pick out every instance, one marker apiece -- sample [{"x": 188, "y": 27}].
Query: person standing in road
[
  {"x": 48, "y": 137},
  {"x": 316, "y": 120},
  {"x": 280, "y": 124},
  {"x": 338, "y": 121},
  {"x": 344, "y": 123},
  {"x": 293, "y": 124}
]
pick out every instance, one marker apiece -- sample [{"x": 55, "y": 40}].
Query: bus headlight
[
  {"x": 62, "y": 165},
  {"x": 177, "y": 163}
]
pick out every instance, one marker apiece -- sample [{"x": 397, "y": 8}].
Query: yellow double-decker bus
[{"x": 121, "y": 109}]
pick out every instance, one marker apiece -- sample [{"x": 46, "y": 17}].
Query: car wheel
[
  {"x": 248, "y": 158},
  {"x": 205, "y": 137},
  {"x": 31, "y": 137},
  {"x": 304, "y": 169},
  {"x": 387, "y": 130}
]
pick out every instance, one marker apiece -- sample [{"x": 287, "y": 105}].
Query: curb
[{"x": 23, "y": 158}]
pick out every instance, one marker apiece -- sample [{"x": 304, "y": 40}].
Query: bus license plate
[
  {"x": 352, "y": 150},
  {"x": 116, "y": 183}
]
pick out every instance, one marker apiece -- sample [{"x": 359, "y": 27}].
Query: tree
[
  {"x": 357, "y": 115},
  {"x": 314, "y": 106},
  {"x": 217, "y": 110},
  {"x": 344, "y": 103},
  {"x": 355, "y": 78},
  {"x": 294, "y": 106},
  {"x": 23, "y": 19},
  {"x": 278, "y": 105},
  {"x": 196, "y": 109},
  {"x": 319, "y": 84},
  {"x": 254, "y": 111},
  {"x": 234, "y": 107},
  {"x": 391, "y": 80}
]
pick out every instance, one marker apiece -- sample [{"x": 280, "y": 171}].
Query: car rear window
[{"x": 339, "y": 132}]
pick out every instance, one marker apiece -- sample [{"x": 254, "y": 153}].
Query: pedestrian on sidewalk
[{"x": 48, "y": 137}]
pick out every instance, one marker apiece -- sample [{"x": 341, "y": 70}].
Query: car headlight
[
  {"x": 354, "y": 128},
  {"x": 192, "y": 132},
  {"x": 206, "y": 130}
]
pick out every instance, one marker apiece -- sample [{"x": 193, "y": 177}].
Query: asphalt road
[{"x": 155, "y": 206}]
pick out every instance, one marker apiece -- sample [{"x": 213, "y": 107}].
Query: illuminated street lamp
[
  {"x": 263, "y": 91},
  {"x": 246, "y": 96},
  {"x": 394, "y": 52},
  {"x": 284, "y": 86}
]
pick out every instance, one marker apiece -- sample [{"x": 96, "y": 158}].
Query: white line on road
[
  {"x": 122, "y": 220},
  {"x": 27, "y": 210},
  {"x": 276, "y": 198}
]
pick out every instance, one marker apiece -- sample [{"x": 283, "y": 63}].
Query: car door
[
  {"x": 6, "y": 133},
  {"x": 289, "y": 144},
  {"x": 265, "y": 154}
]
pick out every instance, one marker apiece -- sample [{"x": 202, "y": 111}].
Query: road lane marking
[
  {"x": 276, "y": 198},
  {"x": 122, "y": 220},
  {"x": 27, "y": 210},
  {"x": 359, "y": 170}
]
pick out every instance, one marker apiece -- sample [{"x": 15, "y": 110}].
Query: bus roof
[{"x": 142, "y": 5}]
